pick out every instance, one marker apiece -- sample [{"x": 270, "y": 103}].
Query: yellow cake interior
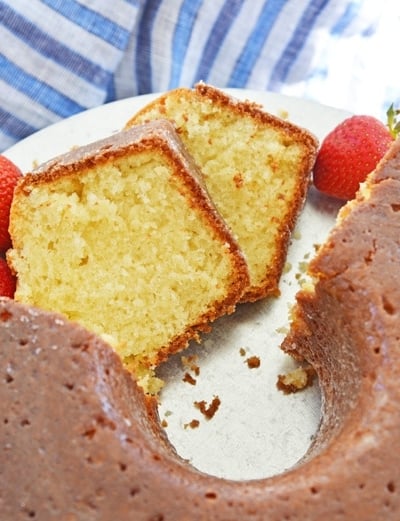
[
  {"x": 254, "y": 173},
  {"x": 120, "y": 249}
]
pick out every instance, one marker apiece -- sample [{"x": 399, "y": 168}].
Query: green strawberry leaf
[{"x": 392, "y": 123}]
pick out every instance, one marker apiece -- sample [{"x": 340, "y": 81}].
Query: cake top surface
[{"x": 155, "y": 134}]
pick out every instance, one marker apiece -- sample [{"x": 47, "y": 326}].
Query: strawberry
[
  {"x": 9, "y": 175},
  {"x": 351, "y": 151},
  {"x": 7, "y": 280}
]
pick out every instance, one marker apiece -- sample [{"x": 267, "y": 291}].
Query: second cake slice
[{"x": 256, "y": 168}]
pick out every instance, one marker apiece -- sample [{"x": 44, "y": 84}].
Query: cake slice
[
  {"x": 256, "y": 168},
  {"x": 121, "y": 237}
]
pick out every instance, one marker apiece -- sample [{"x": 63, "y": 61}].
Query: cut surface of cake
[
  {"x": 121, "y": 236},
  {"x": 256, "y": 168}
]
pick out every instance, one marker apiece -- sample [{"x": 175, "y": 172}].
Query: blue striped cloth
[{"x": 59, "y": 57}]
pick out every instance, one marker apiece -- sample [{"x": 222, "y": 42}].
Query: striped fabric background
[{"x": 59, "y": 57}]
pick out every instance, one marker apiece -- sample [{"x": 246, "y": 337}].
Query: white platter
[{"x": 257, "y": 431}]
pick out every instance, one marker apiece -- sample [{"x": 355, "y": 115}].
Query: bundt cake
[
  {"x": 121, "y": 236},
  {"x": 256, "y": 168},
  {"x": 81, "y": 441}
]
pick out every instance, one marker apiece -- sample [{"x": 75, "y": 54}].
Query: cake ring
[{"x": 81, "y": 441}]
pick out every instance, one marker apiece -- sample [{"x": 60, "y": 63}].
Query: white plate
[{"x": 257, "y": 431}]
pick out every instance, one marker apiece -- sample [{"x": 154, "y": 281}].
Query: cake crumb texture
[
  {"x": 128, "y": 244},
  {"x": 256, "y": 168},
  {"x": 296, "y": 380}
]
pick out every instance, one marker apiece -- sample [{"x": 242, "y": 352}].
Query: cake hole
[
  {"x": 391, "y": 487},
  {"x": 388, "y": 306},
  {"x": 5, "y": 421},
  {"x": 211, "y": 495},
  {"x": 25, "y": 422},
  {"x": 395, "y": 207},
  {"x": 91, "y": 504},
  {"x": 8, "y": 379},
  {"x": 69, "y": 386},
  {"x": 361, "y": 486},
  {"x": 91, "y": 460},
  {"x": 314, "y": 491},
  {"x": 368, "y": 258},
  {"x": 157, "y": 517},
  {"x": 23, "y": 341},
  {"x": 134, "y": 491},
  {"x": 89, "y": 433},
  {"x": 75, "y": 360},
  {"x": 77, "y": 189},
  {"x": 84, "y": 261},
  {"x": 5, "y": 316},
  {"x": 122, "y": 467},
  {"x": 100, "y": 493},
  {"x": 105, "y": 422},
  {"x": 377, "y": 350},
  {"x": 79, "y": 345}
]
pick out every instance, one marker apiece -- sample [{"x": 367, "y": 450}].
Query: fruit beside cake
[
  {"x": 9, "y": 176},
  {"x": 351, "y": 151}
]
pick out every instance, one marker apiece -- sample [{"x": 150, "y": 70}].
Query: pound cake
[
  {"x": 256, "y": 168},
  {"x": 121, "y": 236},
  {"x": 104, "y": 456}
]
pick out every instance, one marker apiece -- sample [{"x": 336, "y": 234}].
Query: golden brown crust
[
  {"x": 255, "y": 110},
  {"x": 241, "y": 109}
]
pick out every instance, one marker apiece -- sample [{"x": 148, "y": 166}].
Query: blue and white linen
[{"x": 59, "y": 57}]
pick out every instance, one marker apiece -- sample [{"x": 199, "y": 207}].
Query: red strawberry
[
  {"x": 9, "y": 175},
  {"x": 350, "y": 152},
  {"x": 7, "y": 280}
]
